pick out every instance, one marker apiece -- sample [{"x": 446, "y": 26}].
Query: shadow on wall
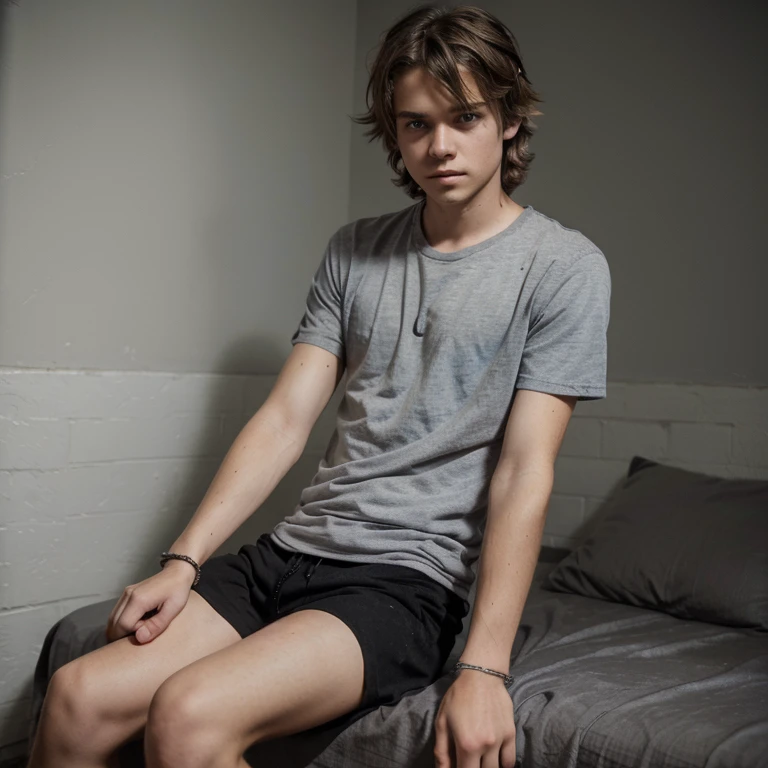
[{"x": 230, "y": 406}]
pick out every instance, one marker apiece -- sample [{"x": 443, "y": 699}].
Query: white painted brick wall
[
  {"x": 722, "y": 431},
  {"x": 100, "y": 471}
]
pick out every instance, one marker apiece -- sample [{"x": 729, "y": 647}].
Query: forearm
[
  {"x": 259, "y": 458},
  {"x": 511, "y": 542}
]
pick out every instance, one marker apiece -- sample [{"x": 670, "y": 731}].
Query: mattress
[
  {"x": 597, "y": 684},
  {"x": 600, "y": 684}
]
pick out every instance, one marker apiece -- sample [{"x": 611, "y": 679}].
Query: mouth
[
  {"x": 448, "y": 180},
  {"x": 446, "y": 175}
]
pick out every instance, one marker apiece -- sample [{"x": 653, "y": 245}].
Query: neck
[{"x": 451, "y": 227}]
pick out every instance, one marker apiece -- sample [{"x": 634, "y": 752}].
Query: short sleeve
[
  {"x": 566, "y": 348},
  {"x": 322, "y": 323}
]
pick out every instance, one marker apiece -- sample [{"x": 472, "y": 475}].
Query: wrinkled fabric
[
  {"x": 435, "y": 347},
  {"x": 597, "y": 684}
]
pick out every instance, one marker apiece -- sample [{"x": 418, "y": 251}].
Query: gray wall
[
  {"x": 652, "y": 143},
  {"x": 171, "y": 173}
]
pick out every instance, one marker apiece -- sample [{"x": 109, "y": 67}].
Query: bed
[{"x": 647, "y": 645}]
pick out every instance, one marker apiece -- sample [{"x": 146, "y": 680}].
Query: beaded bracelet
[
  {"x": 508, "y": 679},
  {"x": 166, "y": 556}
]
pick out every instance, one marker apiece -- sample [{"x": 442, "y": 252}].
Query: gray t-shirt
[{"x": 434, "y": 346}]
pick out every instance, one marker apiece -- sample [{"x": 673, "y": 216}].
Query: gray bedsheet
[{"x": 597, "y": 684}]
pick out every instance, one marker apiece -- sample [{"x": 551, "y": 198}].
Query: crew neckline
[{"x": 420, "y": 240}]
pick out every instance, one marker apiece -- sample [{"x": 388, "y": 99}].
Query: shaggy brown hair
[{"x": 440, "y": 40}]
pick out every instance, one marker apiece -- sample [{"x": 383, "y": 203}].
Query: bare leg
[
  {"x": 100, "y": 701},
  {"x": 298, "y": 672}
]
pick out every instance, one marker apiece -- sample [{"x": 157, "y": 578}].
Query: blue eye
[{"x": 466, "y": 114}]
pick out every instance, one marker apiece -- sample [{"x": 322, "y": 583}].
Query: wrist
[
  {"x": 484, "y": 672},
  {"x": 186, "y": 569},
  {"x": 487, "y": 662},
  {"x": 191, "y": 549}
]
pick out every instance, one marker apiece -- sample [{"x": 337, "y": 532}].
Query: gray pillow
[{"x": 691, "y": 545}]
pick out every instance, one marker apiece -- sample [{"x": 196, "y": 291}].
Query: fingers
[
  {"x": 127, "y": 614},
  {"x": 149, "y": 628},
  {"x": 507, "y": 756},
  {"x": 470, "y": 758},
  {"x": 492, "y": 758},
  {"x": 442, "y": 745},
  {"x": 147, "y": 608},
  {"x": 112, "y": 630},
  {"x": 455, "y": 754}
]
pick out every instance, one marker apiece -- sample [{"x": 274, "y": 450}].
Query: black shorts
[{"x": 405, "y": 621}]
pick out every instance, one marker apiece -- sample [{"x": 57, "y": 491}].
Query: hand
[
  {"x": 477, "y": 715},
  {"x": 149, "y": 607}
]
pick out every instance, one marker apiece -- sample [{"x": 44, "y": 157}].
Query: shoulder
[
  {"x": 370, "y": 230},
  {"x": 353, "y": 244},
  {"x": 561, "y": 251}
]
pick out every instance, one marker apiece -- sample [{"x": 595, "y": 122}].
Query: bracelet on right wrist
[{"x": 166, "y": 556}]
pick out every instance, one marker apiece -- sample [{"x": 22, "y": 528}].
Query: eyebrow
[{"x": 420, "y": 115}]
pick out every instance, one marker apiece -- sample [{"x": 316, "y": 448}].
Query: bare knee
[
  {"x": 70, "y": 707},
  {"x": 180, "y": 731},
  {"x": 73, "y": 720}
]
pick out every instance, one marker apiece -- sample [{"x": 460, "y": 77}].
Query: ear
[{"x": 512, "y": 130}]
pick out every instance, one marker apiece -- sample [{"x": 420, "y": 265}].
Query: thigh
[
  {"x": 297, "y": 672},
  {"x": 349, "y": 637},
  {"x": 405, "y": 622},
  {"x": 116, "y": 682}
]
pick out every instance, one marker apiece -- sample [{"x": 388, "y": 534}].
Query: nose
[{"x": 440, "y": 146}]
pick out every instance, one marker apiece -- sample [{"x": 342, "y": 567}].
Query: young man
[{"x": 468, "y": 327}]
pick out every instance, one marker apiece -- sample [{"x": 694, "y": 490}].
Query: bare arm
[
  {"x": 519, "y": 496},
  {"x": 266, "y": 448},
  {"x": 477, "y": 713}
]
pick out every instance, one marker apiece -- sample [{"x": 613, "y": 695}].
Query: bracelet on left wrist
[{"x": 508, "y": 679}]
